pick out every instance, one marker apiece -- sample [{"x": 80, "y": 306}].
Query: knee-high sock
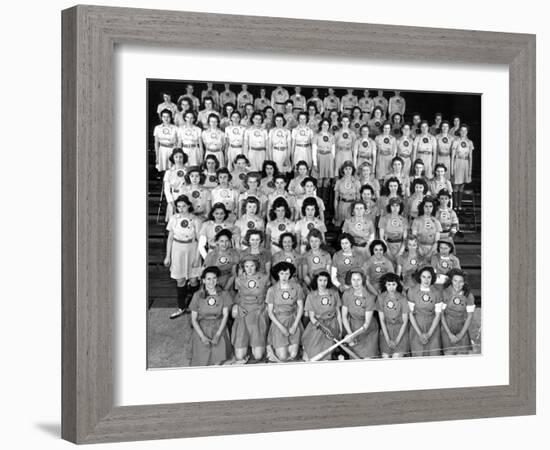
[{"x": 182, "y": 292}]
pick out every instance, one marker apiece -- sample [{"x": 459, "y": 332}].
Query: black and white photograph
[{"x": 311, "y": 223}]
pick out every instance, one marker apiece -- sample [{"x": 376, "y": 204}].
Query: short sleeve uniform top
[
  {"x": 264, "y": 257},
  {"x": 344, "y": 140},
  {"x": 462, "y": 147},
  {"x": 347, "y": 189},
  {"x": 279, "y": 137},
  {"x": 251, "y": 288},
  {"x": 444, "y": 144},
  {"x": 392, "y": 306},
  {"x": 404, "y": 147},
  {"x": 166, "y": 134},
  {"x": 305, "y": 225},
  {"x": 447, "y": 218},
  {"x": 246, "y": 223},
  {"x": 295, "y": 186},
  {"x": 189, "y": 136},
  {"x": 199, "y": 197},
  {"x": 344, "y": 262},
  {"x": 362, "y": 229},
  {"x": 223, "y": 261},
  {"x": 409, "y": 265},
  {"x": 276, "y": 228},
  {"x": 210, "y": 180},
  {"x": 437, "y": 185},
  {"x": 423, "y": 302},
  {"x": 257, "y": 138},
  {"x": 210, "y": 306},
  {"x": 425, "y": 228},
  {"x": 237, "y": 181},
  {"x": 292, "y": 257},
  {"x": 235, "y": 135},
  {"x": 425, "y": 144},
  {"x": 365, "y": 149},
  {"x": 442, "y": 264},
  {"x": 394, "y": 227},
  {"x": 175, "y": 178},
  {"x": 324, "y": 142},
  {"x": 225, "y": 195},
  {"x": 375, "y": 268},
  {"x": 385, "y": 144},
  {"x": 457, "y": 304},
  {"x": 210, "y": 228},
  {"x": 213, "y": 139},
  {"x": 358, "y": 305},
  {"x": 316, "y": 261},
  {"x": 302, "y": 135},
  {"x": 324, "y": 306},
  {"x": 183, "y": 226},
  {"x": 284, "y": 300}
]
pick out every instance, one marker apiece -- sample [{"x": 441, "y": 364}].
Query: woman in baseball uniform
[
  {"x": 182, "y": 256},
  {"x": 288, "y": 244},
  {"x": 214, "y": 140},
  {"x": 344, "y": 140},
  {"x": 313, "y": 117},
  {"x": 386, "y": 148},
  {"x": 324, "y": 150},
  {"x": 393, "y": 228},
  {"x": 285, "y": 306},
  {"x": 348, "y": 102},
  {"x": 234, "y": 139},
  {"x": 440, "y": 180},
  {"x": 356, "y": 120},
  {"x": 323, "y": 309},
  {"x": 405, "y": 148},
  {"x": 261, "y": 102},
  {"x": 426, "y": 227},
  {"x": 364, "y": 150},
  {"x": 174, "y": 180},
  {"x": 367, "y": 105},
  {"x": 278, "y": 98},
  {"x": 217, "y": 221},
  {"x": 254, "y": 241},
  {"x": 331, "y": 102},
  {"x": 444, "y": 142},
  {"x": 418, "y": 172},
  {"x": 455, "y": 129},
  {"x": 225, "y": 258},
  {"x": 334, "y": 119},
  {"x": 458, "y": 313},
  {"x": 425, "y": 306},
  {"x": 269, "y": 171},
  {"x": 250, "y": 220},
  {"x": 310, "y": 220},
  {"x": 315, "y": 259},
  {"x": 246, "y": 120},
  {"x": 375, "y": 122},
  {"x": 396, "y": 125},
  {"x": 392, "y": 189},
  {"x": 209, "y": 313},
  {"x": 446, "y": 216},
  {"x": 397, "y": 172},
  {"x": 225, "y": 194},
  {"x": 238, "y": 175},
  {"x": 252, "y": 186},
  {"x": 425, "y": 148},
  {"x": 295, "y": 187},
  {"x": 184, "y": 105},
  {"x": 189, "y": 139},
  {"x": 443, "y": 262},
  {"x": 279, "y": 145},
  {"x": 358, "y": 306},
  {"x": 310, "y": 191},
  {"x": 377, "y": 265},
  {"x": 196, "y": 192},
  {"x": 280, "y": 192},
  {"x": 244, "y": 98},
  {"x": 302, "y": 138},
  {"x": 409, "y": 262},
  {"x": 346, "y": 259},
  {"x": 210, "y": 172},
  {"x": 346, "y": 191},
  {"x": 393, "y": 312},
  {"x": 269, "y": 118},
  {"x": 419, "y": 189},
  {"x": 249, "y": 311},
  {"x": 225, "y": 120},
  {"x": 361, "y": 227},
  {"x": 165, "y": 140},
  {"x": 279, "y": 223},
  {"x": 368, "y": 197},
  {"x": 461, "y": 163},
  {"x": 255, "y": 142},
  {"x": 366, "y": 176}
]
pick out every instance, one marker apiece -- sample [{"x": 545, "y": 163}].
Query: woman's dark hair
[
  {"x": 386, "y": 188},
  {"x": 398, "y": 158},
  {"x": 208, "y": 97},
  {"x": 367, "y": 187},
  {"x": 246, "y": 106},
  {"x": 302, "y": 113},
  {"x": 259, "y": 114},
  {"x": 278, "y": 203},
  {"x": 225, "y": 232},
  {"x": 424, "y": 122},
  {"x": 241, "y": 156},
  {"x": 255, "y": 175},
  {"x": 375, "y": 243},
  {"x": 377, "y": 108},
  {"x": 301, "y": 163},
  {"x": 337, "y": 114},
  {"x": 225, "y": 109},
  {"x": 236, "y": 111},
  {"x": 292, "y": 236},
  {"x": 306, "y": 179},
  {"x": 192, "y": 169},
  {"x": 448, "y": 243},
  {"x": 214, "y": 158},
  {"x": 253, "y": 200},
  {"x": 349, "y": 273},
  {"x": 166, "y": 111},
  {"x": 281, "y": 116},
  {"x": 386, "y": 122},
  {"x": 418, "y": 181},
  {"x": 314, "y": 284},
  {"x": 440, "y": 166},
  {"x": 266, "y": 163},
  {"x": 363, "y": 127},
  {"x": 395, "y": 200},
  {"x": 353, "y": 205},
  {"x": 345, "y": 116},
  {"x": 457, "y": 272},
  {"x": 213, "y": 116},
  {"x": 445, "y": 122},
  {"x": 282, "y": 266},
  {"x": 175, "y": 152},
  {"x": 289, "y": 102},
  {"x": 183, "y": 198},
  {"x": 266, "y": 109},
  {"x": 310, "y": 104},
  {"x": 394, "y": 115},
  {"x": 427, "y": 199},
  {"x": 249, "y": 257},
  {"x": 343, "y": 166},
  {"x": 323, "y": 120},
  {"x": 226, "y": 171},
  {"x": 347, "y": 236},
  {"x": 391, "y": 278},
  {"x": 430, "y": 269},
  {"x": 252, "y": 232},
  {"x": 314, "y": 232},
  {"x": 184, "y": 99},
  {"x": 215, "y": 206},
  {"x": 210, "y": 269},
  {"x": 310, "y": 201},
  {"x": 356, "y": 108},
  {"x": 192, "y": 112}
]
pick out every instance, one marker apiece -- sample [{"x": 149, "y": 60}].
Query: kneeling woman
[
  {"x": 323, "y": 308},
  {"x": 458, "y": 312},
  {"x": 358, "y": 307},
  {"x": 225, "y": 258},
  {"x": 249, "y": 311},
  {"x": 425, "y": 305},
  {"x": 209, "y": 313},
  {"x": 393, "y": 312},
  {"x": 285, "y": 306}
]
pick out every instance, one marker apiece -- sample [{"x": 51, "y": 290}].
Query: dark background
[{"x": 466, "y": 106}]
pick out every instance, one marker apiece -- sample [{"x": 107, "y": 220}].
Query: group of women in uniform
[{"x": 249, "y": 192}]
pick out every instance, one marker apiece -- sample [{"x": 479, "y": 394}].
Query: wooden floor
[{"x": 168, "y": 340}]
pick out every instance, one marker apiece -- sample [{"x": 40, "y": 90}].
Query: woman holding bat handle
[
  {"x": 323, "y": 308},
  {"x": 393, "y": 312},
  {"x": 358, "y": 306},
  {"x": 285, "y": 306}
]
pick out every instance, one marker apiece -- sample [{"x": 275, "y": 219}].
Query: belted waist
[
  {"x": 189, "y": 145},
  {"x": 257, "y": 148},
  {"x": 303, "y": 145},
  {"x": 179, "y": 241}
]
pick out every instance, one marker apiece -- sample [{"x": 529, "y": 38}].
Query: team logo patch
[
  {"x": 390, "y": 304},
  {"x": 395, "y": 222},
  {"x": 285, "y": 295},
  {"x": 302, "y": 133},
  {"x": 365, "y": 144},
  {"x": 166, "y": 130},
  {"x": 250, "y": 224},
  {"x": 224, "y": 193},
  {"x": 445, "y": 215},
  {"x": 271, "y": 184},
  {"x": 445, "y": 140},
  {"x": 235, "y": 131},
  {"x": 445, "y": 264},
  {"x": 251, "y": 284},
  {"x": 425, "y": 298},
  {"x": 184, "y": 223},
  {"x": 288, "y": 260},
  {"x": 324, "y": 301},
  {"x": 386, "y": 140},
  {"x": 345, "y": 135},
  {"x": 242, "y": 176},
  {"x": 377, "y": 124},
  {"x": 356, "y": 125},
  {"x": 325, "y": 138},
  {"x": 310, "y": 226},
  {"x": 281, "y": 227},
  {"x": 406, "y": 143},
  {"x": 347, "y": 261},
  {"x": 456, "y": 301},
  {"x": 213, "y": 135},
  {"x": 257, "y": 133},
  {"x": 212, "y": 178},
  {"x": 217, "y": 229},
  {"x": 359, "y": 225},
  {"x": 316, "y": 260},
  {"x": 463, "y": 144},
  {"x": 428, "y": 224},
  {"x": 180, "y": 173},
  {"x": 279, "y": 133},
  {"x": 188, "y": 132},
  {"x": 425, "y": 140},
  {"x": 334, "y": 128},
  {"x": 378, "y": 269},
  {"x": 347, "y": 185},
  {"x": 211, "y": 301},
  {"x": 223, "y": 259},
  {"x": 358, "y": 301},
  {"x": 413, "y": 262},
  {"x": 196, "y": 194}
]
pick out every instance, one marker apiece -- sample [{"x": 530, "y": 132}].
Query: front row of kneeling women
[{"x": 263, "y": 321}]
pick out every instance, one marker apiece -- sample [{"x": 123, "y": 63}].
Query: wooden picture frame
[{"x": 90, "y": 34}]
